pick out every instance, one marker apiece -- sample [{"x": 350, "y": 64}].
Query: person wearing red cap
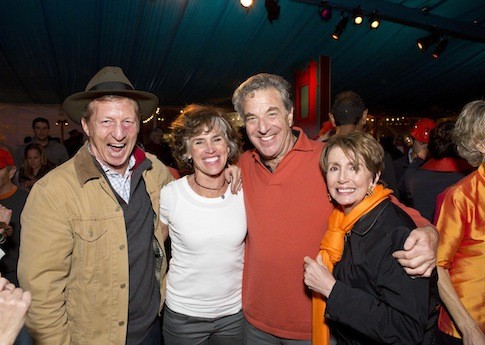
[
  {"x": 443, "y": 168},
  {"x": 12, "y": 198},
  {"x": 418, "y": 153}
]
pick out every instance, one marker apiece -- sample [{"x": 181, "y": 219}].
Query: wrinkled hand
[
  {"x": 5, "y": 214},
  {"x": 418, "y": 258},
  {"x": 14, "y": 305},
  {"x": 317, "y": 277},
  {"x": 233, "y": 174}
]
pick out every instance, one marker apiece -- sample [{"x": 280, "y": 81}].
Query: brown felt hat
[{"x": 110, "y": 80}]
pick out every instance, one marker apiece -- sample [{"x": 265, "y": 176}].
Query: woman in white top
[{"x": 207, "y": 228}]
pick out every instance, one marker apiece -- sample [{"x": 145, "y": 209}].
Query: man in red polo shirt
[{"x": 287, "y": 211}]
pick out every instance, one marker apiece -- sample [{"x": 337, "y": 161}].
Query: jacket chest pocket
[{"x": 92, "y": 243}]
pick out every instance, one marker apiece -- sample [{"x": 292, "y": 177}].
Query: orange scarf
[{"x": 331, "y": 250}]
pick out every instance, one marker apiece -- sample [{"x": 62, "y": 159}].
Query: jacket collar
[
  {"x": 367, "y": 221},
  {"x": 87, "y": 168},
  {"x": 447, "y": 164}
]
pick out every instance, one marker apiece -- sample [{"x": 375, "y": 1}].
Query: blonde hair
[{"x": 469, "y": 131}]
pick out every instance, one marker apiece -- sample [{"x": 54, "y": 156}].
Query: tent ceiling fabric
[{"x": 200, "y": 50}]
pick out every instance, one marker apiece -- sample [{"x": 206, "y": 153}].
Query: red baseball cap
[
  {"x": 6, "y": 159},
  {"x": 421, "y": 130}
]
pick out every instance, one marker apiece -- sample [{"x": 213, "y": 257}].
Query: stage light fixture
[
  {"x": 424, "y": 43},
  {"x": 374, "y": 21},
  {"x": 339, "y": 29},
  {"x": 325, "y": 10},
  {"x": 273, "y": 9},
  {"x": 357, "y": 16},
  {"x": 440, "y": 48},
  {"x": 246, "y": 3}
]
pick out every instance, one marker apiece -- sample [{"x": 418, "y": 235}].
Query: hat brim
[{"x": 75, "y": 104}]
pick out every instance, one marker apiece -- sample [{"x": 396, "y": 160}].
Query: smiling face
[
  {"x": 209, "y": 151},
  {"x": 347, "y": 180},
  {"x": 268, "y": 125},
  {"x": 112, "y": 129}
]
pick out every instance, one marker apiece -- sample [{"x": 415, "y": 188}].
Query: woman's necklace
[{"x": 209, "y": 188}]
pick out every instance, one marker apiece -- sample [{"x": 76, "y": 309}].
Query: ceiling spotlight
[
  {"x": 425, "y": 42},
  {"x": 273, "y": 9},
  {"x": 339, "y": 29},
  {"x": 440, "y": 48},
  {"x": 374, "y": 21},
  {"x": 325, "y": 10},
  {"x": 357, "y": 16},
  {"x": 246, "y": 3}
]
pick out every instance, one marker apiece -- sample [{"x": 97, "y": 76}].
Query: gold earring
[
  {"x": 370, "y": 191},
  {"x": 329, "y": 197}
]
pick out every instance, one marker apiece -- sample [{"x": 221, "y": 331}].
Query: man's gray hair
[{"x": 262, "y": 81}]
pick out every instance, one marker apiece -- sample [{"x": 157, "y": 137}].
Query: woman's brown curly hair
[{"x": 196, "y": 119}]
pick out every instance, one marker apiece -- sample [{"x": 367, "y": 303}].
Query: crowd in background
[{"x": 330, "y": 241}]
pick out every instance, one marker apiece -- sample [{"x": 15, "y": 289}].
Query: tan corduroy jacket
[{"x": 73, "y": 254}]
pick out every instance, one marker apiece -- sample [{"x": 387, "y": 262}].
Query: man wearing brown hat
[{"x": 92, "y": 247}]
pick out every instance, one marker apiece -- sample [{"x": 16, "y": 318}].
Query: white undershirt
[{"x": 207, "y": 234}]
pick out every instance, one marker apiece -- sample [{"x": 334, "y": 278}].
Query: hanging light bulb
[
  {"x": 440, "y": 48},
  {"x": 339, "y": 29},
  {"x": 374, "y": 21},
  {"x": 357, "y": 16},
  {"x": 246, "y": 3},
  {"x": 425, "y": 42}
]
